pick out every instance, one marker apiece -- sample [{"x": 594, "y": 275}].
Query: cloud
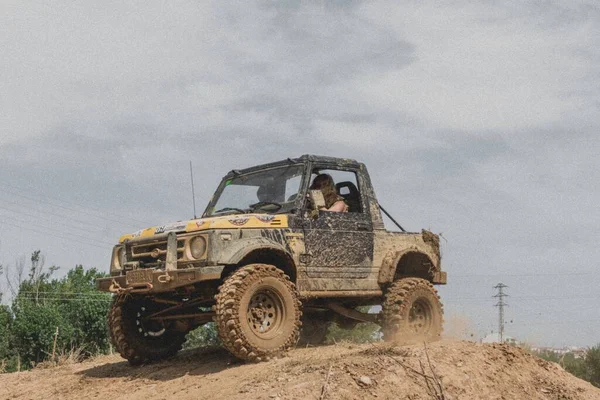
[{"x": 489, "y": 67}]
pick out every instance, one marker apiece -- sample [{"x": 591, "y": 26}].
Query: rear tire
[
  {"x": 412, "y": 311},
  {"x": 139, "y": 340},
  {"x": 258, "y": 312}
]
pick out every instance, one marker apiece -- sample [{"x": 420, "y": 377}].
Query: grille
[{"x": 154, "y": 254}]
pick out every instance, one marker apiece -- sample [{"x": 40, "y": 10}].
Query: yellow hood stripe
[{"x": 246, "y": 221}]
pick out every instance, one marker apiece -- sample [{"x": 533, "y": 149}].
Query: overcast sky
[{"x": 479, "y": 120}]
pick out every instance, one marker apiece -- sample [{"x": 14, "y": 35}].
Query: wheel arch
[
  {"x": 261, "y": 251},
  {"x": 412, "y": 262}
]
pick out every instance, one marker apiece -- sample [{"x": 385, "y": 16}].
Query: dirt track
[{"x": 466, "y": 370}]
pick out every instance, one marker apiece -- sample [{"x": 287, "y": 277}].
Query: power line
[
  {"x": 46, "y": 212},
  {"x": 53, "y": 222},
  {"x": 54, "y": 235},
  {"x": 581, "y": 321},
  {"x": 528, "y": 298},
  {"x": 94, "y": 293},
  {"x": 63, "y": 299},
  {"x": 94, "y": 210},
  {"x": 68, "y": 217},
  {"x": 523, "y": 275},
  {"x": 51, "y": 230}
]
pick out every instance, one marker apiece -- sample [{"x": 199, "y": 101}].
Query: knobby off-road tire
[
  {"x": 411, "y": 311},
  {"x": 139, "y": 340},
  {"x": 258, "y": 312}
]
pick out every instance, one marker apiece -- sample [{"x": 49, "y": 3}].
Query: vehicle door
[{"x": 340, "y": 244}]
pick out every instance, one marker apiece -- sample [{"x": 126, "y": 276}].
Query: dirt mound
[{"x": 462, "y": 370}]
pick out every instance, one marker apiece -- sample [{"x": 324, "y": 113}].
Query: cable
[
  {"x": 54, "y": 222},
  {"x": 73, "y": 204},
  {"x": 112, "y": 222},
  {"x": 522, "y": 275},
  {"x": 59, "y": 299},
  {"x": 528, "y": 298},
  {"x": 55, "y": 235},
  {"x": 554, "y": 322},
  {"x": 52, "y": 229},
  {"x": 94, "y": 293},
  {"x": 67, "y": 208}
]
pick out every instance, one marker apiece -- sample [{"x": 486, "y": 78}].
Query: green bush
[
  {"x": 587, "y": 367},
  {"x": 28, "y": 329},
  {"x": 592, "y": 365},
  {"x": 364, "y": 332},
  {"x": 5, "y": 320},
  {"x": 205, "y": 335},
  {"x": 33, "y": 331},
  {"x": 86, "y": 310}
]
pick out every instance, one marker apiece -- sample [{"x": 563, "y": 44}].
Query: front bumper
[
  {"x": 157, "y": 280},
  {"x": 440, "y": 278},
  {"x": 161, "y": 276}
]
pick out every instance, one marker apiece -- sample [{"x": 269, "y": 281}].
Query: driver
[
  {"x": 333, "y": 201},
  {"x": 265, "y": 193}
]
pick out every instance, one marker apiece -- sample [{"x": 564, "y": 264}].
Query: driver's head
[
  {"x": 265, "y": 193},
  {"x": 322, "y": 181}
]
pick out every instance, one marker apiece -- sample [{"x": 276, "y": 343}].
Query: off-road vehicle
[{"x": 273, "y": 269}]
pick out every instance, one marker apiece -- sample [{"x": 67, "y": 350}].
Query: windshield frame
[{"x": 298, "y": 203}]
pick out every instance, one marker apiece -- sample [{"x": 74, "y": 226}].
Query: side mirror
[{"x": 316, "y": 198}]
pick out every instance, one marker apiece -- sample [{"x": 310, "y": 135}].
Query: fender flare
[
  {"x": 390, "y": 263},
  {"x": 239, "y": 249}
]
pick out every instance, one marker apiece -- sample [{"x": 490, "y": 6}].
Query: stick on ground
[{"x": 325, "y": 384}]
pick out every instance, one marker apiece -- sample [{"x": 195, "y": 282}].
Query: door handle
[{"x": 362, "y": 226}]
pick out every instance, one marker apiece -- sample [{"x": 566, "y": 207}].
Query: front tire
[
  {"x": 137, "y": 339},
  {"x": 412, "y": 311},
  {"x": 258, "y": 312}
]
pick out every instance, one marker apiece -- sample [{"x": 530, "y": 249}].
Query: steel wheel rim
[
  {"x": 265, "y": 313},
  {"x": 147, "y": 328},
  {"x": 420, "y": 317}
]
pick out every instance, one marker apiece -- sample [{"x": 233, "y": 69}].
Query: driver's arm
[{"x": 338, "y": 206}]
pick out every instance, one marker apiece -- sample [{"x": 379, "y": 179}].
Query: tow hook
[{"x": 115, "y": 287}]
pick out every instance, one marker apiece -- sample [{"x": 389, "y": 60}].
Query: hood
[{"x": 244, "y": 221}]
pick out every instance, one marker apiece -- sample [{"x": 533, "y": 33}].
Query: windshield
[{"x": 269, "y": 191}]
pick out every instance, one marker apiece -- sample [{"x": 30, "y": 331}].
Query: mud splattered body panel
[
  {"x": 339, "y": 245},
  {"x": 390, "y": 250}
]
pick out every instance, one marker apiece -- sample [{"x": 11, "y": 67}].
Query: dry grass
[
  {"x": 71, "y": 356},
  {"x": 386, "y": 349},
  {"x": 432, "y": 383}
]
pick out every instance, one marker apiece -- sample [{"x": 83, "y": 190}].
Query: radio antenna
[{"x": 193, "y": 194}]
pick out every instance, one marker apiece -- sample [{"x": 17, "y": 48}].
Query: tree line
[
  {"x": 48, "y": 317},
  {"x": 586, "y": 367}
]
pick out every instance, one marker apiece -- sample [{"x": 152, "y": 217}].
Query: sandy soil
[{"x": 464, "y": 370}]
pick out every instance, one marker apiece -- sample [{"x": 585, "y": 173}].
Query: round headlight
[
  {"x": 118, "y": 257},
  {"x": 198, "y": 247},
  {"x": 121, "y": 256}
]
